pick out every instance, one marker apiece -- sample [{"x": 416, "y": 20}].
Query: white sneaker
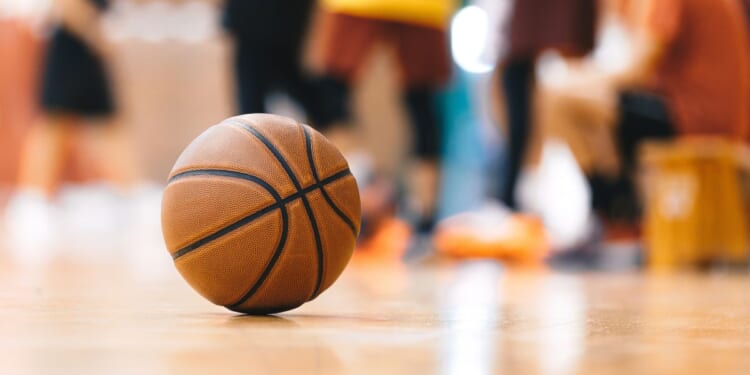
[
  {"x": 91, "y": 221},
  {"x": 145, "y": 249},
  {"x": 32, "y": 226}
]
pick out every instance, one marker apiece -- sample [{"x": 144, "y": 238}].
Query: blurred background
[{"x": 603, "y": 134}]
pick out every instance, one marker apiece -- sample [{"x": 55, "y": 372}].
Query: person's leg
[
  {"x": 516, "y": 84},
  {"x": 31, "y": 215},
  {"x": 45, "y": 153},
  {"x": 642, "y": 116},
  {"x": 253, "y": 70},
  {"x": 107, "y": 147},
  {"x": 334, "y": 114},
  {"x": 582, "y": 113},
  {"x": 424, "y": 176},
  {"x": 325, "y": 99},
  {"x": 340, "y": 47}
]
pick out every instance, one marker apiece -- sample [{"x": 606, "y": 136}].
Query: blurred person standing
[
  {"x": 536, "y": 26},
  {"x": 416, "y": 32},
  {"x": 269, "y": 38},
  {"x": 689, "y": 75},
  {"x": 77, "y": 121}
]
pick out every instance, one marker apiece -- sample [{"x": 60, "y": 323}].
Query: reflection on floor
[{"x": 123, "y": 313}]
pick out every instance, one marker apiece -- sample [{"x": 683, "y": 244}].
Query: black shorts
[{"x": 74, "y": 80}]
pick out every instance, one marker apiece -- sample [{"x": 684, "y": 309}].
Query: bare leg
[
  {"x": 582, "y": 116},
  {"x": 108, "y": 148},
  {"x": 31, "y": 215},
  {"x": 45, "y": 154}
]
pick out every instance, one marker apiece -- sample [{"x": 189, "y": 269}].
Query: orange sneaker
[
  {"x": 387, "y": 243},
  {"x": 493, "y": 232}
]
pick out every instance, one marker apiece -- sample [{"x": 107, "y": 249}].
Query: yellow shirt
[{"x": 434, "y": 13}]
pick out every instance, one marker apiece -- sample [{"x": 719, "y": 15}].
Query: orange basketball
[{"x": 260, "y": 214}]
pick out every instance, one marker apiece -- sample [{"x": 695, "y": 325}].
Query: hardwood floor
[{"x": 473, "y": 317}]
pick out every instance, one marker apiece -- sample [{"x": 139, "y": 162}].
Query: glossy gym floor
[{"x": 473, "y": 317}]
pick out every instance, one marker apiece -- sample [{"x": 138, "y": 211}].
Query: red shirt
[{"x": 705, "y": 72}]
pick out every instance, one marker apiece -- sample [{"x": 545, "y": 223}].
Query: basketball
[{"x": 260, "y": 214}]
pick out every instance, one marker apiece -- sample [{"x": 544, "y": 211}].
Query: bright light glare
[{"x": 469, "y": 35}]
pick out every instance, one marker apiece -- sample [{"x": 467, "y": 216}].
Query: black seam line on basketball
[
  {"x": 234, "y": 226},
  {"x": 321, "y": 259},
  {"x": 244, "y": 176},
  {"x": 284, "y": 224},
  {"x": 323, "y": 191},
  {"x": 256, "y": 215},
  {"x": 272, "y": 263},
  {"x": 273, "y": 150},
  {"x": 293, "y": 178}
]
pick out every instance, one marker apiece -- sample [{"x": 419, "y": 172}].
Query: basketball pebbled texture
[{"x": 260, "y": 214}]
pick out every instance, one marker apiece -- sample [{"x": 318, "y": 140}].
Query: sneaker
[
  {"x": 32, "y": 225},
  {"x": 492, "y": 232},
  {"x": 387, "y": 244}
]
